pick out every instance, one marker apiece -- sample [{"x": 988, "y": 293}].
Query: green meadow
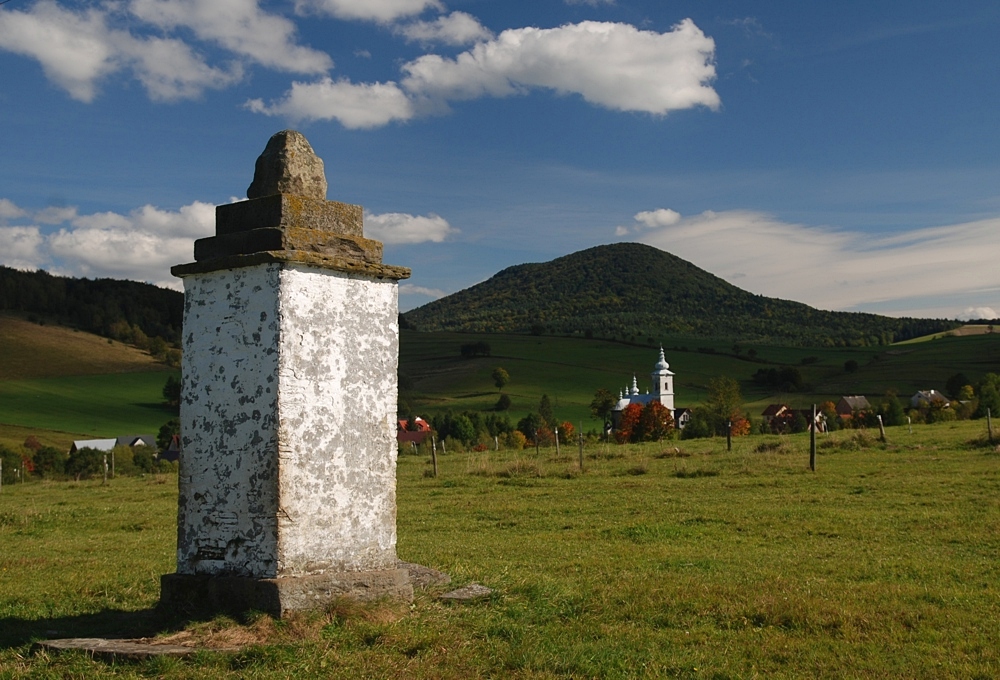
[
  {"x": 570, "y": 370},
  {"x": 677, "y": 559},
  {"x": 97, "y": 406}
]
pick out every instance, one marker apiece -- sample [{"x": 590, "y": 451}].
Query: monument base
[{"x": 189, "y": 593}]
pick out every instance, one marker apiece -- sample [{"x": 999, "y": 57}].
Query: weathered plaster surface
[
  {"x": 227, "y": 517},
  {"x": 288, "y": 419},
  {"x": 337, "y": 370}
]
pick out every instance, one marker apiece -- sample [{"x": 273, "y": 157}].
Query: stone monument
[{"x": 288, "y": 401}]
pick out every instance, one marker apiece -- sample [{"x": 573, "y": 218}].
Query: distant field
[
  {"x": 28, "y": 350},
  {"x": 968, "y": 329},
  {"x": 656, "y": 562},
  {"x": 570, "y": 370},
  {"x": 92, "y": 405}
]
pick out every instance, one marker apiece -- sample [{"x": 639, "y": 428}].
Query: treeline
[
  {"x": 128, "y": 311},
  {"x": 636, "y": 293}
]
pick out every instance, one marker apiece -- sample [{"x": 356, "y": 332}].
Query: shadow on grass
[
  {"x": 107, "y": 623},
  {"x": 158, "y": 406}
]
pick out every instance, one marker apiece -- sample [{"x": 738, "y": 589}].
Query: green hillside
[
  {"x": 634, "y": 292},
  {"x": 435, "y": 377},
  {"x": 61, "y": 384},
  {"x": 107, "y": 307}
]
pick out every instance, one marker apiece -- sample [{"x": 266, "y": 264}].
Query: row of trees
[{"x": 47, "y": 462}]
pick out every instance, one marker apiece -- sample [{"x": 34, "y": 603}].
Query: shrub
[
  {"x": 503, "y": 403},
  {"x": 49, "y": 462},
  {"x": 84, "y": 463},
  {"x": 515, "y": 439}
]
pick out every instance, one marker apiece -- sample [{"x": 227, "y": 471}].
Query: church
[{"x": 663, "y": 392}]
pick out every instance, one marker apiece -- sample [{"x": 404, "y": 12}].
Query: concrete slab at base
[
  {"x": 192, "y": 593},
  {"x": 115, "y": 650}
]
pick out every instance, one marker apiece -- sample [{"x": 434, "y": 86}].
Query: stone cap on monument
[{"x": 288, "y": 219}]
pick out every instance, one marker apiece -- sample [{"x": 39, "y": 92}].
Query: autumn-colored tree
[
  {"x": 566, "y": 431},
  {"x": 655, "y": 423},
  {"x": 629, "y": 423},
  {"x": 740, "y": 427}
]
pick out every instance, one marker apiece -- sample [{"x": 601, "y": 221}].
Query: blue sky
[{"x": 846, "y": 155}]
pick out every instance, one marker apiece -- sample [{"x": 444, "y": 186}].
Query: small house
[
  {"x": 848, "y": 406},
  {"x": 926, "y": 398}
]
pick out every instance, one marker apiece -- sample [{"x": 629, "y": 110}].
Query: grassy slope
[
  {"x": 61, "y": 384},
  {"x": 570, "y": 370},
  {"x": 28, "y": 350},
  {"x": 881, "y": 564}
]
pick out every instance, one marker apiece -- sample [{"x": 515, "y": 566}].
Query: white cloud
[
  {"x": 170, "y": 70},
  {"x": 836, "y": 269},
  {"x": 613, "y": 65},
  {"x": 410, "y": 289},
  {"x": 973, "y": 313},
  {"x": 141, "y": 245},
  {"x": 55, "y": 215},
  {"x": 238, "y": 25},
  {"x": 78, "y": 49},
  {"x": 396, "y": 228},
  {"x": 20, "y": 247},
  {"x": 457, "y": 28},
  {"x": 9, "y": 211},
  {"x": 73, "y": 47},
  {"x": 663, "y": 217},
  {"x": 355, "y": 106},
  {"x": 369, "y": 10}
]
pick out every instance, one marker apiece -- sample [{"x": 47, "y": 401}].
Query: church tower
[{"x": 663, "y": 382}]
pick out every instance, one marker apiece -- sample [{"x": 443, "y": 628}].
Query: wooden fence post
[
  {"x": 881, "y": 428},
  {"x": 434, "y": 455},
  {"x": 729, "y": 435},
  {"x": 812, "y": 442}
]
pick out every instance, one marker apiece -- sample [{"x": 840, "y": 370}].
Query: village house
[
  {"x": 848, "y": 406},
  {"x": 925, "y": 398},
  {"x": 417, "y": 436}
]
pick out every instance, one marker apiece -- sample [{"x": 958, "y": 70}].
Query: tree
[
  {"x": 850, "y": 366},
  {"x": 167, "y": 432},
  {"x": 503, "y": 403},
  {"x": 724, "y": 404},
  {"x": 49, "y": 462},
  {"x": 500, "y": 378},
  {"x": 528, "y": 425},
  {"x": 602, "y": 405},
  {"x": 85, "y": 462},
  {"x": 891, "y": 410},
  {"x": 546, "y": 413},
  {"x": 655, "y": 423},
  {"x": 989, "y": 398},
  {"x": 462, "y": 429},
  {"x": 628, "y": 425},
  {"x": 955, "y": 383},
  {"x": 11, "y": 462},
  {"x": 172, "y": 392}
]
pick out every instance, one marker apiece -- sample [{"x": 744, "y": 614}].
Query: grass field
[
  {"x": 655, "y": 562},
  {"x": 92, "y": 405},
  {"x": 570, "y": 370},
  {"x": 28, "y": 350}
]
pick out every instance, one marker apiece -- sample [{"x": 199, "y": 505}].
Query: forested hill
[
  {"x": 632, "y": 291},
  {"x": 106, "y": 307}
]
